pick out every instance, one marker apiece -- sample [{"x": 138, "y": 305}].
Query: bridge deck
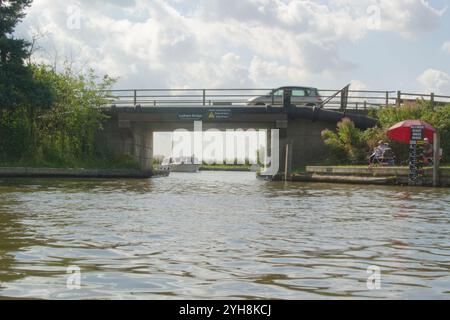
[{"x": 352, "y": 99}]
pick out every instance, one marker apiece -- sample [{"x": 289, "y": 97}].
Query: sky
[{"x": 374, "y": 44}]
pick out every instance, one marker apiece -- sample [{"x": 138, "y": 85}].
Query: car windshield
[
  {"x": 296, "y": 92},
  {"x": 311, "y": 92},
  {"x": 277, "y": 93}
]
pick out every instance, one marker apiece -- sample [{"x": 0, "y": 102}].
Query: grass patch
[{"x": 113, "y": 162}]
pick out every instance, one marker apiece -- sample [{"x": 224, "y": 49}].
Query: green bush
[
  {"x": 14, "y": 134},
  {"x": 438, "y": 117},
  {"x": 65, "y": 134},
  {"x": 69, "y": 128},
  {"x": 347, "y": 143},
  {"x": 47, "y": 118},
  {"x": 157, "y": 160}
]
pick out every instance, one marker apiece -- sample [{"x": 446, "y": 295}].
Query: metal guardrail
[{"x": 356, "y": 99}]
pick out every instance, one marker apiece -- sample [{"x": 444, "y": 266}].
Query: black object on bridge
[
  {"x": 287, "y": 95},
  {"x": 344, "y": 98},
  {"x": 319, "y": 114}
]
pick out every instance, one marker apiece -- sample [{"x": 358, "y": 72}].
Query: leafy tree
[
  {"x": 11, "y": 12},
  {"x": 14, "y": 76},
  {"x": 21, "y": 95},
  {"x": 17, "y": 85},
  {"x": 47, "y": 118},
  {"x": 68, "y": 130}
]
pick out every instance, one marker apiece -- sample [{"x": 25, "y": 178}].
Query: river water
[{"x": 223, "y": 235}]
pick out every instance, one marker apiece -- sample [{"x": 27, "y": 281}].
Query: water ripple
[{"x": 221, "y": 235}]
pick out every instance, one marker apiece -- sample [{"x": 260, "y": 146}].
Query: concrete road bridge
[{"x": 137, "y": 114}]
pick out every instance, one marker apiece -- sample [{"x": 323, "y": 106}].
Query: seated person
[
  {"x": 427, "y": 152},
  {"x": 378, "y": 152},
  {"x": 388, "y": 157}
]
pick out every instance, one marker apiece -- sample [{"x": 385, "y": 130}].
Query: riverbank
[
  {"x": 23, "y": 172},
  {"x": 368, "y": 175}
]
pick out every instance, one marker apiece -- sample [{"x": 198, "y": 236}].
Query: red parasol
[{"x": 402, "y": 130}]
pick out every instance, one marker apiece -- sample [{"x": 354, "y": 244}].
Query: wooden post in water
[
  {"x": 432, "y": 100},
  {"x": 286, "y": 163},
  {"x": 436, "y": 159},
  {"x": 291, "y": 153}
]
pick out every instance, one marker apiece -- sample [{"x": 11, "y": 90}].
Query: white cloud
[
  {"x": 436, "y": 81},
  {"x": 273, "y": 74},
  {"x": 409, "y": 18},
  {"x": 215, "y": 43},
  {"x": 446, "y": 46},
  {"x": 357, "y": 85}
]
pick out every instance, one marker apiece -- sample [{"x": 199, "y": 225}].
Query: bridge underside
[{"x": 130, "y": 130}]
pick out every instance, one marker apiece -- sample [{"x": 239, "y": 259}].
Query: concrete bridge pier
[
  {"x": 279, "y": 149},
  {"x": 268, "y": 143},
  {"x": 306, "y": 144},
  {"x": 143, "y": 146},
  {"x": 299, "y": 128}
]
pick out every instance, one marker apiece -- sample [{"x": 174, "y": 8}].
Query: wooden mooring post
[
  {"x": 399, "y": 98},
  {"x": 432, "y": 100},
  {"x": 288, "y": 160},
  {"x": 286, "y": 163}
]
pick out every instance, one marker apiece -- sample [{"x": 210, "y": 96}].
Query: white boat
[{"x": 180, "y": 164}]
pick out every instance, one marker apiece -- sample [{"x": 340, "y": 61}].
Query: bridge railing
[
  {"x": 357, "y": 99},
  {"x": 189, "y": 97}
]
